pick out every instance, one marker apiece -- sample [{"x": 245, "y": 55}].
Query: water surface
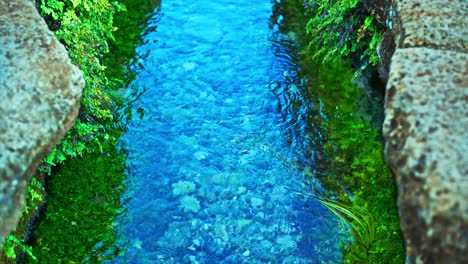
[{"x": 213, "y": 168}]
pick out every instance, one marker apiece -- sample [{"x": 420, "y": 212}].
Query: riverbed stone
[
  {"x": 40, "y": 90},
  {"x": 183, "y": 187},
  {"x": 256, "y": 202},
  {"x": 190, "y": 204}
]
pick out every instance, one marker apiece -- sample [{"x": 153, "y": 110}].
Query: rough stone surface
[
  {"x": 40, "y": 91},
  {"x": 441, "y": 24},
  {"x": 425, "y": 129}
]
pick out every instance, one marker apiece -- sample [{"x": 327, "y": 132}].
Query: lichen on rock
[{"x": 41, "y": 92}]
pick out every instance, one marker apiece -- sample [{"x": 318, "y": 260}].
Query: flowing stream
[{"x": 213, "y": 168}]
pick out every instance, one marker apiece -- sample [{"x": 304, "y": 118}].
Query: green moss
[
  {"x": 354, "y": 160},
  {"x": 85, "y": 169},
  {"x": 348, "y": 152},
  {"x": 83, "y": 199}
]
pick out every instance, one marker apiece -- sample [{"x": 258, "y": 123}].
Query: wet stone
[{"x": 257, "y": 202}]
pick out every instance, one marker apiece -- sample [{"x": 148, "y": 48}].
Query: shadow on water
[{"x": 218, "y": 143}]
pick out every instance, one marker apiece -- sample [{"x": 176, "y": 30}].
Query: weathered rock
[
  {"x": 439, "y": 24},
  {"x": 425, "y": 129},
  {"x": 40, "y": 91}
]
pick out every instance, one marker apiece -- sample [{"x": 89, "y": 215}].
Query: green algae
[
  {"x": 348, "y": 150},
  {"x": 83, "y": 199},
  {"x": 130, "y": 26},
  {"x": 85, "y": 185}
]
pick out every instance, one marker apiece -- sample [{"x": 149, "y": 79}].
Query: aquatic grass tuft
[{"x": 363, "y": 227}]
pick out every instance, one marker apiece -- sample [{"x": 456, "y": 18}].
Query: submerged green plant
[
  {"x": 89, "y": 167},
  {"x": 363, "y": 228},
  {"x": 348, "y": 151}
]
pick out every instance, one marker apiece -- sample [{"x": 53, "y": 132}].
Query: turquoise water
[{"x": 215, "y": 154}]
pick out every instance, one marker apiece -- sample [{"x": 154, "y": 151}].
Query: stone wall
[
  {"x": 40, "y": 91},
  {"x": 425, "y": 127}
]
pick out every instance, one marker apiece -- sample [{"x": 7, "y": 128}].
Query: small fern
[{"x": 12, "y": 243}]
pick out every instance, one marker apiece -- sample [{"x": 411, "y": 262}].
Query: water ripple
[{"x": 216, "y": 143}]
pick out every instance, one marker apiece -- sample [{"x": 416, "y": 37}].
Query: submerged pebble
[
  {"x": 210, "y": 166},
  {"x": 257, "y": 202}
]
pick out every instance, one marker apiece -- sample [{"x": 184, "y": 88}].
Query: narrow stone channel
[{"x": 212, "y": 173}]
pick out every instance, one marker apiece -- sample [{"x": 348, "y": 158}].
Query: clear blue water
[{"x": 213, "y": 167}]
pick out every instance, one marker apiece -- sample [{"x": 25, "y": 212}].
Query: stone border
[
  {"x": 425, "y": 123},
  {"x": 41, "y": 91}
]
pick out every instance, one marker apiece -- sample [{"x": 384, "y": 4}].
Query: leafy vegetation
[
  {"x": 85, "y": 186},
  {"x": 85, "y": 27},
  {"x": 15, "y": 245},
  {"x": 34, "y": 195},
  {"x": 342, "y": 28},
  {"x": 11, "y": 246},
  {"x": 353, "y": 163}
]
